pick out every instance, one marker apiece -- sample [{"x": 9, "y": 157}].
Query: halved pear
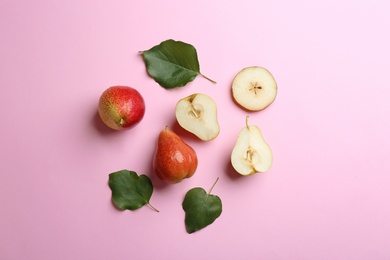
[
  {"x": 197, "y": 114},
  {"x": 254, "y": 88},
  {"x": 251, "y": 154}
]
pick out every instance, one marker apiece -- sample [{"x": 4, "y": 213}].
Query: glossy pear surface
[
  {"x": 174, "y": 160},
  {"x": 121, "y": 107},
  {"x": 251, "y": 154}
]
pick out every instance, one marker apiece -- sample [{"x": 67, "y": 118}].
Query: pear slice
[
  {"x": 251, "y": 154},
  {"x": 254, "y": 88},
  {"x": 197, "y": 114}
]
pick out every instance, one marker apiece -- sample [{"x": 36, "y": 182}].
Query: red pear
[
  {"x": 174, "y": 160},
  {"x": 121, "y": 107}
]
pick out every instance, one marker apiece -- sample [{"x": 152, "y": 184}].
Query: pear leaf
[
  {"x": 172, "y": 63},
  {"x": 201, "y": 209},
  {"x": 130, "y": 191}
]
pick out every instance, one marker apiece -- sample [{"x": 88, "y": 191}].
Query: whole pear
[
  {"x": 121, "y": 107},
  {"x": 174, "y": 160}
]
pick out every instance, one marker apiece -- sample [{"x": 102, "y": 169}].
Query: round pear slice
[
  {"x": 251, "y": 154},
  {"x": 197, "y": 114},
  {"x": 254, "y": 88}
]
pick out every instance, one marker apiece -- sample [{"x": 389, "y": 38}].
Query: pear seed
[{"x": 193, "y": 113}]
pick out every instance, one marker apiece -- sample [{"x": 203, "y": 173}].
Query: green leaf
[
  {"x": 130, "y": 191},
  {"x": 201, "y": 209},
  {"x": 172, "y": 63}
]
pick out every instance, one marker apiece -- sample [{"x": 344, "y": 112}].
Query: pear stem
[
  {"x": 150, "y": 206},
  {"x": 246, "y": 121},
  {"x": 213, "y": 185},
  {"x": 208, "y": 79}
]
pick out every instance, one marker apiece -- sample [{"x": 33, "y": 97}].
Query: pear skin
[
  {"x": 121, "y": 107},
  {"x": 174, "y": 160}
]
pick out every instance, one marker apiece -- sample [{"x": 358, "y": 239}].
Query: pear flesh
[
  {"x": 174, "y": 160},
  {"x": 251, "y": 154},
  {"x": 254, "y": 88},
  {"x": 197, "y": 114}
]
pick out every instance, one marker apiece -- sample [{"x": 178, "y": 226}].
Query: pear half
[
  {"x": 197, "y": 114},
  {"x": 254, "y": 88},
  {"x": 251, "y": 154}
]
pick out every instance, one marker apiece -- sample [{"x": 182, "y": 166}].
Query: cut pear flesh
[
  {"x": 197, "y": 114},
  {"x": 251, "y": 154},
  {"x": 254, "y": 88}
]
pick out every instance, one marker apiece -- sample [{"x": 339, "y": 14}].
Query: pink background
[{"x": 327, "y": 195}]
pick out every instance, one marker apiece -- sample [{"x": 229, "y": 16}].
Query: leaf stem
[
  {"x": 208, "y": 79},
  {"x": 212, "y": 187},
  {"x": 150, "y": 206}
]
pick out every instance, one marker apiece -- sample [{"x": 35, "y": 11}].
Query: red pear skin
[
  {"x": 121, "y": 107},
  {"x": 174, "y": 159}
]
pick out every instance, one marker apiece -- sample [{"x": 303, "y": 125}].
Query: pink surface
[{"x": 327, "y": 195}]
